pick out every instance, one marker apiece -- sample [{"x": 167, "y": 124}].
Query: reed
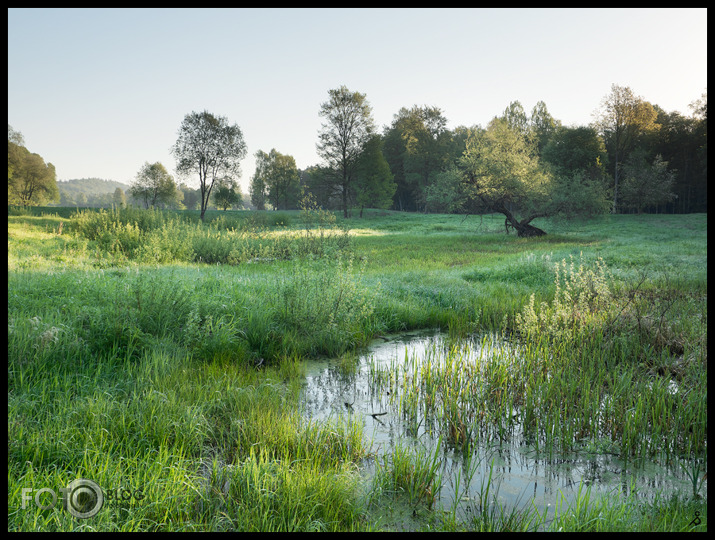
[{"x": 412, "y": 473}]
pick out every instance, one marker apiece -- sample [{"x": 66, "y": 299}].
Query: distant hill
[
  {"x": 88, "y": 192},
  {"x": 90, "y": 186}
]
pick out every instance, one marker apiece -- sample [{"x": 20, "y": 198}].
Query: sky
[{"x": 99, "y": 92}]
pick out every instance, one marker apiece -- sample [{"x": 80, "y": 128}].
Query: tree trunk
[
  {"x": 345, "y": 199},
  {"x": 527, "y": 231},
  {"x": 523, "y": 228},
  {"x": 615, "y": 184}
]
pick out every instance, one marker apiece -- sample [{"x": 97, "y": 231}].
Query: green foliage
[
  {"x": 623, "y": 319},
  {"x": 327, "y": 301},
  {"x": 623, "y": 118},
  {"x": 582, "y": 303},
  {"x": 184, "y": 378},
  {"x": 410, "y": 474},
  {"x": 503, "y": 173},
  {"x": 119, "y": 199},
  {"x": 515, "y": 117},
  {"x": 227, "y": 194},
  {"x": 572, "y": 149},
  {"x": 646, "y": 184},
  {"x": 445, "y": 194},
  {"x": 89, "y": 192},
  {"x": 347, "y": 128},
  {"x": 417, "y": 146},
  {"x": 155, "y": 187},
  {"x": 258, "y": 189},
  {"x": 276, "y": 181},
  {"x": 192, "y": 197},
  {"x": 579, "y": 195},
  {"x": 31, "y": 181},
  {"x": 375, "y": 186},
  {"x": 323, "y": 235},
  {"x": 160, "y": 236},
  {"x": 211, "y": 148},
  {"x": 543, "y": 125}
]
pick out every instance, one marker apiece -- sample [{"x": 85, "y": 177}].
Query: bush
[
  {"x": 326, "y": 300},
  {"x": 582, "y": 303}
]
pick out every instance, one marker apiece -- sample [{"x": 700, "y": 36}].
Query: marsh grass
[
  {"x": 134, "y": 359},
  {"x": 410, "y": 472},
  {"x": 156, "y": 236},
  {"x": 573, "y": 379}
]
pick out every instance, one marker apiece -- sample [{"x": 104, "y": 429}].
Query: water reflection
[{"x": 520, "y": 473}]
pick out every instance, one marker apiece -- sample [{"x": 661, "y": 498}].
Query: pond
[{"x": 373, "y": 392}]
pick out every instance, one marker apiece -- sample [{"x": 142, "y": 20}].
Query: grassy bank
[{"x": 155, "y": 354}]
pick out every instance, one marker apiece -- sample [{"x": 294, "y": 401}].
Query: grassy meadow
[{"x": 163, "y": 358}]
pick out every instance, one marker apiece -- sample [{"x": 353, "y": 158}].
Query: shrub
[
  {"x": 327, "y": 300},
  {"x": 582, "y": 302}
]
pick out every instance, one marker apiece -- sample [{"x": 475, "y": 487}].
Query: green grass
[{"x": 147, "y": 350}]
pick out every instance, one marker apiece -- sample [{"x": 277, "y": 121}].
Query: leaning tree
[
  {"x": 502, "y": 173},
  {"x": 211, "y": 147}
]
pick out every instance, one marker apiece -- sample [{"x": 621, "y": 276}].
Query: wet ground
[{"x": 521, "y": 476}]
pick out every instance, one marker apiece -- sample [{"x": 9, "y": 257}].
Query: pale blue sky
[{"x": 98, "y": 92}]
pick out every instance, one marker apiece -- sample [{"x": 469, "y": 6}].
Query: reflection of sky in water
[{"x": 519, "y": 474}]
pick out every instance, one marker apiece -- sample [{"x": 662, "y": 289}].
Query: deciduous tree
[
  {"x": 646, "y": 184},
  {"x": 572, "y": 149},
  {"x": 283, "y": 181},
  {"x": 31, "y": 181},
  {"x": 347, "y": 128},
  {"x": 417, "y": 146},
  {"x": 516, "y": 119},
  {"x": 258, "y": 189},
  {"x": 192, "y": 196},
  {"x": 227, "y": 194},
  {"x": 622, "y": 118},
  {"x": 542, "y": 125},
  {"x": 210, "y": 147},
  {"x": 503, "y": 174},
  {"x": 154, "y": 186},
  {"x": 375, "y": 183},
  {"x": 119, "y": 198}
]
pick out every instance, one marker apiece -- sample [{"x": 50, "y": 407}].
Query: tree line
[{"x": 633, "y": 157}]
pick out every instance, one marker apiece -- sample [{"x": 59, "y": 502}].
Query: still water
[{"x": 521, "y": 475}]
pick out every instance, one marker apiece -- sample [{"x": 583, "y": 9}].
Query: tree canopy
[
  {"x": 154, "y": 186},
  {"x": 30, "y": 181},
  {"x": 417, "y": 146},
  {"x": 375, "y": 185},
  {"x": 622, "y": 118},
  {"x": 523, "y": 165},
  {"x": 276, "y": 181},
  {"x": 646, "y": 184},
  {"x": 347, "y": 128},
  {"x": 503, "y": 175},
  {"x": 211, "y": 148},
  {"x": 227, "y": 194}
]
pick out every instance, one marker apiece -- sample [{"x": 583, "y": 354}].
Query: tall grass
[
  {"x": 412, "y": 473},
  {"x": 136, "y": 361},
  {"x": 575, "y": 379},
  {"x": 158, "y": 236}
]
